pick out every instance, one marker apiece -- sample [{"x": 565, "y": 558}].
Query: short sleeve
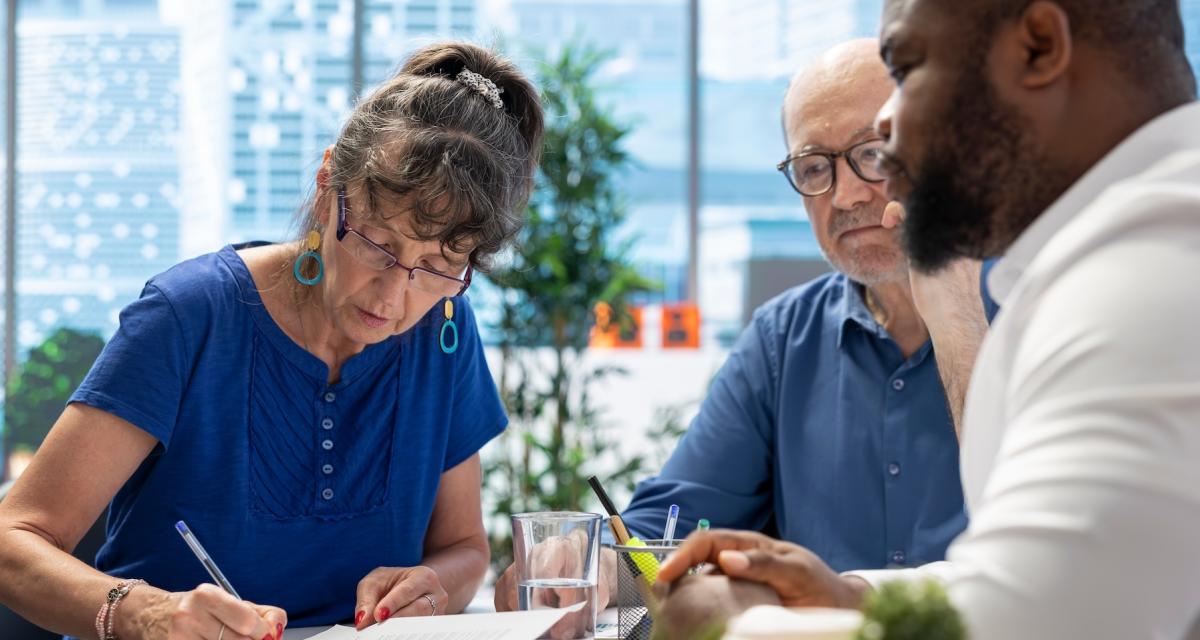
[
  {"x": 140, "y": 375},
  {"x": 735, "y": 425},
  {"x": 477, "y": 414}
]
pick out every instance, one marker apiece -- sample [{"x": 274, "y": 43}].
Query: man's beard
[{"x": 983, "y": 181}]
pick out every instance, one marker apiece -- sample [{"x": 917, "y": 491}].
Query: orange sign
[
  {"x": 611, "y": 333},
  {"x": 680, "y": 326}
]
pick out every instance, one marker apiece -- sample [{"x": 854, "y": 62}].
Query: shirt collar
[
  {"x": 1175, "y": 129},
  {"x": 854, "y": 309}
]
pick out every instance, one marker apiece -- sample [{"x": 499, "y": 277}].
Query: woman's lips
[{"x": 370, "y": 319}]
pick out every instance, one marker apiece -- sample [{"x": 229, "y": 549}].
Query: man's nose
[{"x": 849, "y": 191}]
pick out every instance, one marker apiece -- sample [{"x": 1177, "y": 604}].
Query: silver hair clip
[{"x": 482, "y": 86}]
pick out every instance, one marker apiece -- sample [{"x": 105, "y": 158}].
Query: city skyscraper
[
  {"x": 393, "y": 29},
  {"x": 98, "y": 125},
  {"x": 155, "y": 130},
  {"x": 644, "y": 82},
  {"x": 279, "y": 77}
]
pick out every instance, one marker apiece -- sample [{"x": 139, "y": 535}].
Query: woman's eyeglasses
[{"x": 380, "y": 259}]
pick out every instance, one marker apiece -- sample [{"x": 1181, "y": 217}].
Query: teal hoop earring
[
  {"x": 448, "y": 311},
  {"x": 312, "y": 242}
]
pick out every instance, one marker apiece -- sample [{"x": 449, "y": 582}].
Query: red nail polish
[
  {"x": 384, "y": 613},
  {"x": 358, "y": 617},
  {"x": 278, "y": 631},
  {"x": 267, "y": 637}
]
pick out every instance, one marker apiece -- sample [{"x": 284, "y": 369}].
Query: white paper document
[{"x": 511, "y": 625}]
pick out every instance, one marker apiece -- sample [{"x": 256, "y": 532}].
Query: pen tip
[{"x": 181, "y": 527}]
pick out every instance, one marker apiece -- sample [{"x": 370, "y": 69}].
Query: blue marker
[{"x": 672, "y": 518}]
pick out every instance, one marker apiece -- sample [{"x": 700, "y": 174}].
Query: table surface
[{"x": 481, "y": 603}]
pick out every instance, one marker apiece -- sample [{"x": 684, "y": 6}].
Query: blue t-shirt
[
  {"x": 820, "y": 430},
  {"x": 297, "y": 488}
]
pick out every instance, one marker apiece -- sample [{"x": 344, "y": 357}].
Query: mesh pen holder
[{"x": 637, "y": 569}]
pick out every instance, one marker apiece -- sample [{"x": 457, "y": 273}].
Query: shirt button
[
  {"x": 327, "y": 445},
  {"x": 327, "y": 494},
  {"x": 894, "y": 469},
  {"x": 897, "y": 556},
  {"x": 327, "y": 469},
  {"x": 330, "y": 396},
  {"x": 898, "y": 384},
  {"x": 327, "y": 424}
]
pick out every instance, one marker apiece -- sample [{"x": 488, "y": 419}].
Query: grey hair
[{"x": 464, "y": 168}]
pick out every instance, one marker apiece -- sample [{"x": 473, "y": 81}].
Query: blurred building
[
  {"x": 270, "y": 83},
  {"x": 644, "y": 82},
  {"x": 154, "y": 130},
  {"x": 98, "y": 191}
]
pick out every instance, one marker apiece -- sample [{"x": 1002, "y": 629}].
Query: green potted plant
[
  {"x": 905, "y": 610},
  {"x": 566, "y": 261},
  {"x": 38, "y": 391}
]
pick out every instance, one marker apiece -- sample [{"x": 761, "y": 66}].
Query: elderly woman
[{"x": 312, "y": 410}]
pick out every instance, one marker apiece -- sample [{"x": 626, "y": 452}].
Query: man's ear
[{"x": 1043, "y": 43}]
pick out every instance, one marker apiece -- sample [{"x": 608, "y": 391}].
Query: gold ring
[{"x": 432, "y": 604}]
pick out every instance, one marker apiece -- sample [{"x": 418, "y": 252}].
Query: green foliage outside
[
  {"x": 911, "y": 611},
  {"x": 37, "y": 393},
  {"x": 565, "y": 262}
]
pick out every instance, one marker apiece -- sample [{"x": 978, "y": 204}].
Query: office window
[{"x": 151, "y": 131}]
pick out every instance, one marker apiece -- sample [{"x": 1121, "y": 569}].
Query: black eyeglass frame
[{"x": 785, "y": 167}]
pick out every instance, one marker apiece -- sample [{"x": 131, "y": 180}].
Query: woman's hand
[
  {"x": 204, "y": 613},
  {"x": 390, "y": 592}
]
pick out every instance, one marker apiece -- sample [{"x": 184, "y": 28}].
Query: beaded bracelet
[{"x": 108, "y": 610}]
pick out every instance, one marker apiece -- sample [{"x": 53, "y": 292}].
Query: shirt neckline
[
  {"x": 1172, "y": 130},
  {"x": 853, "y": 308},
  {"x": 364, "y": 361}
]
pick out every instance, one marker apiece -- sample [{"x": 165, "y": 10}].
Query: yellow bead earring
[
  {"x": 312, "y": 242},
  {"x": 448, "y": 312}
]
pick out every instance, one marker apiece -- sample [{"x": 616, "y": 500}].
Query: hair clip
[{"x": 482, "y": 86}]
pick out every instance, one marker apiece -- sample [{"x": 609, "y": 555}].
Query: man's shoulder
[
  {"x": 1143, "y": 223},
  {"x": 803, "y": 305}
]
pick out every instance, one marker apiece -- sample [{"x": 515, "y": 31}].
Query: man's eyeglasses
[
  {"x": 814, "y": 173},
  {"x": 380, "y": 259}
]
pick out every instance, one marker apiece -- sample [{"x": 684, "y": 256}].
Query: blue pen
[
  {"x": 205, "y": 559},
  {"x": 672, "y": 518}
]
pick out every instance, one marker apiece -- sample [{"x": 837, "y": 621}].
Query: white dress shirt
[{"x": 1081, "y": 438}]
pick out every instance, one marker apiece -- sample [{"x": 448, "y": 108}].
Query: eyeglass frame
[
  {"x": 832, "y": 157},
  {"x": 344, "y": 227}
]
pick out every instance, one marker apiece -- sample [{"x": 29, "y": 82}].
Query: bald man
[{"x": 828, "y": 425}]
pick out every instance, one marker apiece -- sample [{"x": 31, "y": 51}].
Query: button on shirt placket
[
  {"x": 326, "y": 439},
  {"x": 897, "y": 407}
]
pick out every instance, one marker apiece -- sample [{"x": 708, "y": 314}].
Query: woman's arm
[
  {"x": 456, "y": 545},
  {"x": 86, "y": 458}
]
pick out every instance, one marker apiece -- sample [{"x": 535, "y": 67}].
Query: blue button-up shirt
[{"x": 819, "y": 430}]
